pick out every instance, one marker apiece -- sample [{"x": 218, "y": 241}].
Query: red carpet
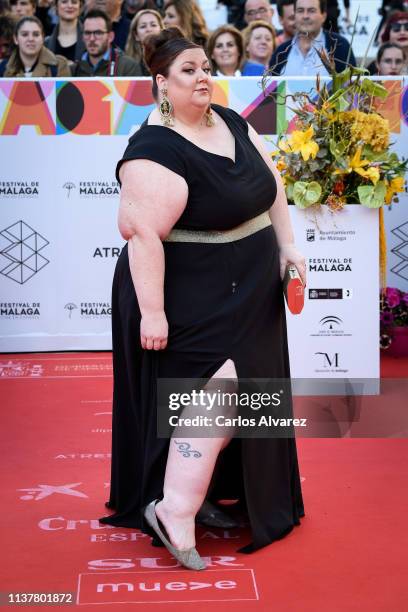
[{"x": 348, "y": 554}]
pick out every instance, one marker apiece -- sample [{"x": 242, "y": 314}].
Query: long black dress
[{"x": 222, "y": 301}]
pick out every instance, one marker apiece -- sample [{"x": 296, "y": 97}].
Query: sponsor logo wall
[
  {"x": 337, "y": 332},
  {"x": 59, "y": 241},
  {"x": 396, "y": 224}
]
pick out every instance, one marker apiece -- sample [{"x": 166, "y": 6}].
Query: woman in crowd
[
  {"x": 391, "y": 60},
  {"x": 197, "y": 294},
  {"x": 259, "y": 41},
  {"x": 31, "y": 58},
  {"x": 144, "y": 23},
  {"x": 66, "y": 38},
  {"x": 226, "y": 51},
  {"x": 187, "y": 15},
  {"x": 395, "y": 31}
]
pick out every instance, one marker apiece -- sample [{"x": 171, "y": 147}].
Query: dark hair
[
  {"x": 30, "y": 19},
  {"x": 7, "y": 27},
  {"x": 98, "y": 14},
  {"x": 237, "y": 36},
  {"x": 281, "y": 3},
  {"x": 393, "y": 18},
  {"x": 192, "y": 20},
  {"x": 81, "y": 2},
  {"x": 388, "y": 45},
  {"x": 160, "y": 51},
  {"x": 32, "y": 2},
  {"x": 4, "y": 7},
  {"x": 322, "y": 4}
]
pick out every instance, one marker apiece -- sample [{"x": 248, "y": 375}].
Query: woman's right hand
[{"x": 154, "y": 331}]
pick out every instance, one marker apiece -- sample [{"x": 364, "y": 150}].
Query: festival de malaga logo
[
  {"x": 20, "y": 257},
  {"x": 92, "y": 189},
  {"x": 19, "y": 189}
]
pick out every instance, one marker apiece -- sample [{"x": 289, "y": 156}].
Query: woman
[
  {"x": 31, "y": 58},
  {"x": 259, "y": 41},
  {"x": 197, "y": 290},
  {"x": 66, "y": 38},
  {"x": 144, "y": 23},
  {"x": 187, "y": 15},
  {"x": 391, "y": 60},
  {"x": 395, "y": 31},
  {"x": 226, "y": 51}
]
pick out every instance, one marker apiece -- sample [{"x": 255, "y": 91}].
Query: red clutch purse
[{"x": 293, "y": 289}]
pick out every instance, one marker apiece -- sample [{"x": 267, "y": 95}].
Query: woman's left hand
[{"x": 288, "y": 253}]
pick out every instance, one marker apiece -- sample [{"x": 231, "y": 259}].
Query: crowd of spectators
[{"x": 86, "y": 38}]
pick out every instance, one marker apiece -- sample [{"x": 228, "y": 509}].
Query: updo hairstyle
[{"x": 160, "y": 51}]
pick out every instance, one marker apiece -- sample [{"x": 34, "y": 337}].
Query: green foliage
[
  {"x": 306, "y": 194},
  {"x": 372, "y": 196}
]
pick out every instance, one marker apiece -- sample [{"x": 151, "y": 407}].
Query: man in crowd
[
  {"x": 299, "y": 57},
  {"x": 22, "y": 8},
  {"x": 120, "y": 23},
  {"x": 258, "y": 9},
  {"x": 101, "y": 57},
  {"x": 286, "y": 13}
]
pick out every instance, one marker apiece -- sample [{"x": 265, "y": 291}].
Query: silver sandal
[{"x": 189, "y": 558}]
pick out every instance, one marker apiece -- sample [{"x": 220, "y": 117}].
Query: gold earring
[
  {"x": 166, "y": 110},
  {"x": 209, "y": 118}
]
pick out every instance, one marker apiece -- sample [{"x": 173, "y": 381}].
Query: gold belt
[{"x": 236, "y": 233}]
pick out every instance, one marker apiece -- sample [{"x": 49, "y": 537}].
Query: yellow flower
[
  {"x": 395, "y": 186},
  {"x": 284, "y": 146},
  {"x": 371, "y": 173},
  {"x": 281, "y": 165},
  {"x": 369, "y": 128},
  {"x": 356, "y": 164},
  {"x": 301, "y": 142}
]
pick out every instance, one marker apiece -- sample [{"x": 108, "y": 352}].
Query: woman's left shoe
[
  {"x": 211, "y": 516},
  {"x": 189, "y": 558}
]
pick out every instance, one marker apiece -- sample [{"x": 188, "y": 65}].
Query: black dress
[{"x": 222, "y": 301}]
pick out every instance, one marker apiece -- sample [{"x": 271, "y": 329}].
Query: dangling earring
[
  {"x": 166, "y": 110},
  {"x": 209, "y": 117}
]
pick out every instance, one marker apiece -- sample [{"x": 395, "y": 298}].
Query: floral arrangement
[
  {"x": 338, "y": 150},
  {"x": 393, "y": 313}
]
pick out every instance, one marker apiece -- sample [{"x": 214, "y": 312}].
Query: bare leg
[{"x": 188, "y": 477}]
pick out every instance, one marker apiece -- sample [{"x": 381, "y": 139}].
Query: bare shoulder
[{"x": 256, "y": 139}]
